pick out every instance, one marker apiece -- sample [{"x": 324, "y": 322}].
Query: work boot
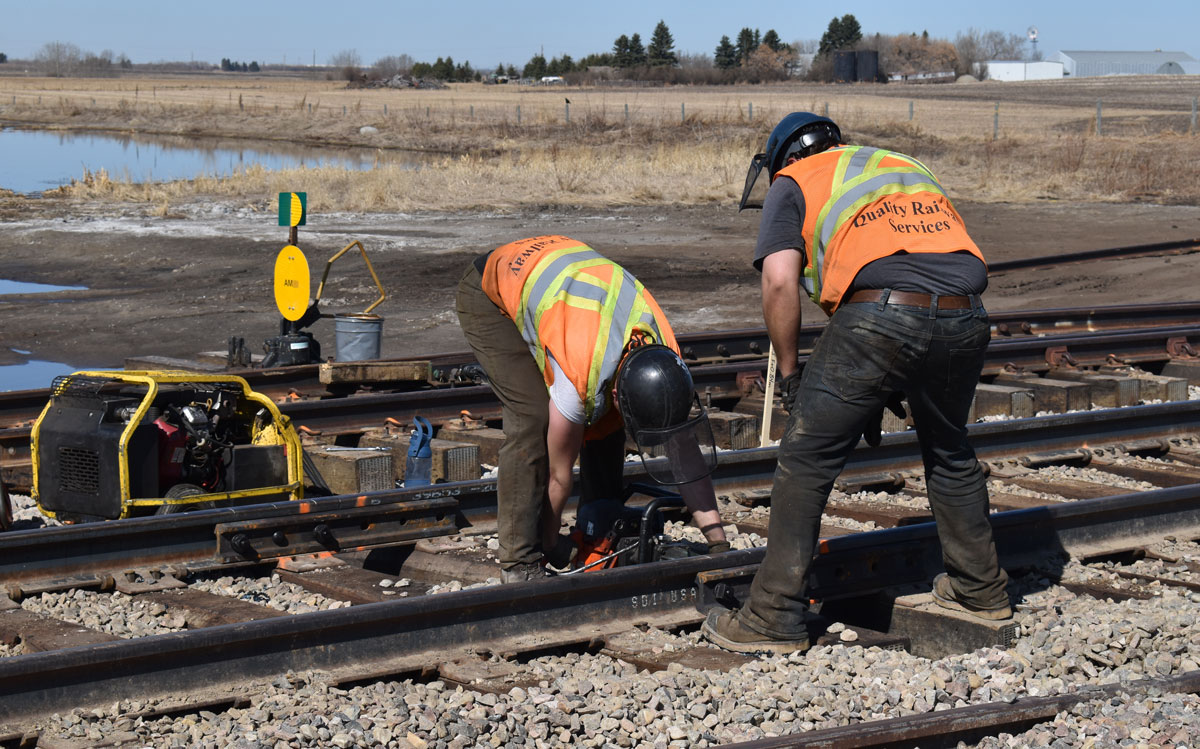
[
  {"x": 524, "y": 572},
  {"x": 724, "y": 629},
  {"x": 718, "y": 547},
  {"x": 945, "y": 596},
  {"x": 561, "y": 555}
]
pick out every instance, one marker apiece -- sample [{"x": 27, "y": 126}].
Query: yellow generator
[{"x": 119, "y": 444}]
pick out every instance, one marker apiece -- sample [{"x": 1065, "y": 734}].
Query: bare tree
[
  {"x": 59, "y": 59},
  {"x": 348, "y": 62},
  {"x": 699, "y": 61},
  {"x": 976, "y": 47},
  {"x": 386, "y": 67}
]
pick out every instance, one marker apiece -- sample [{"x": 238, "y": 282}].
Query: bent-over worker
[
  {"x": 872, "y": 238},
  {"x": 578, "y": 352}
]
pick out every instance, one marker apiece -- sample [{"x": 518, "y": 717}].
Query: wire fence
[{"x": 944, "y": 116}]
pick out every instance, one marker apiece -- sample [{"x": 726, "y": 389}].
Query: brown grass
[{"x": 503, "y": 147}]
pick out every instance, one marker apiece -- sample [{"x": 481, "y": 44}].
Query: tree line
[
  {"x": 749, "y": 56},
  {"x": 230, "y": 66}
]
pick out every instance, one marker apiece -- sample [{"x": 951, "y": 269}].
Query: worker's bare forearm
[{"x": 781, "y": 307}]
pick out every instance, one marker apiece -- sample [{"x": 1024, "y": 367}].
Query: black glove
[
  {"x": 895, "y": 404},
  {"x": 788, "y": 387}
]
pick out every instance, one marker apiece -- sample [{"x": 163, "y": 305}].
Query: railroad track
[
  {"x": 440, "y": 637},
  {"x": 726, "y": 366},
  {"x": 1095, "y": 486}
]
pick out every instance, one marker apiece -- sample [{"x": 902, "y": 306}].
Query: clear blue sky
[{"x": 485, "y": 33}]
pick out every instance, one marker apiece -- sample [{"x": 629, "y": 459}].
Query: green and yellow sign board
[
  {"x": 292, "y": 283},
  {"x": 293, "y": 208}
]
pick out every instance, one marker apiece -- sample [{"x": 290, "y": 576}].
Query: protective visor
[
  {"x": 755, "y": 191},
  {"x": 680, "y": 454}
]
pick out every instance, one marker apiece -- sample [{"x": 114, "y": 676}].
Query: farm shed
[
  {"x": 1018, "y": 70},
  {"x": 1179, "y": 68},
  {"x": 1081, "y": 64}
]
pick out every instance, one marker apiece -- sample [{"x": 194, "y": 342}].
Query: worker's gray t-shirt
[{"x": 944, "y": 274}]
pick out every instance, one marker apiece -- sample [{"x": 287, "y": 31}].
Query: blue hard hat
[{"x": 801, "y": 134}]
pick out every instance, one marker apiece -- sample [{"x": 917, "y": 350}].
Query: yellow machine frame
[{"x": 285, "y": 435}]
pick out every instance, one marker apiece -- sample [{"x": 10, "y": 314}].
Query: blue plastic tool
[{"x": 419, "y": 467}]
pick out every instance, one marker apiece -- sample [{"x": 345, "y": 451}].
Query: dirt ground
[{"x": 183, "y": 284}]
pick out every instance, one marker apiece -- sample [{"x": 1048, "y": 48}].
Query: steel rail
[
  {"x": 1176, "y": 247},
  {"x": 47, "y": 553},
  {"x": 710, "y": 347},
  {"x": 946, "y": 728},
  {"x": 372, "y": 639}
]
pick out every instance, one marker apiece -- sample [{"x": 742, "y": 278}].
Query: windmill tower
[{"x": 1032, "y": 33}]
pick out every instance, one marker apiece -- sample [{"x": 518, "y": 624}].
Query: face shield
[
  {"x": 680, "y": 454},
  {"x": 755, "y": 191}
]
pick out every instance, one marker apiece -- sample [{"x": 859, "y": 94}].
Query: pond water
[
  {"x": 33, "y": 374},
  {"x": 24, "y": 287},
  {"x": 36, "y": 160}
]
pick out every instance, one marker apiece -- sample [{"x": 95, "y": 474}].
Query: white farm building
[
  {"x": 1083, "y": 64},
  {"x": 1018, "y": 70}
]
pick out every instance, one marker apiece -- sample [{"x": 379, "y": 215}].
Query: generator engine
[
  {"x": 112, "y": 444},
  {"x": 193, "y": 443}
]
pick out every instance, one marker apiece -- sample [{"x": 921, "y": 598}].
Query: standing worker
[
  {"x": 576, "y": 349},
  {"x": 872, "y": 238}
]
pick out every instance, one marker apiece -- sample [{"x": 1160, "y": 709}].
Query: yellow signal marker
[{"x": 292, "y": 283}]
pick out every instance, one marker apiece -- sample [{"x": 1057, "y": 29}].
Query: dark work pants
[
  {"x": 866, "y": 352},
  {"x": 524, "y": 464}
]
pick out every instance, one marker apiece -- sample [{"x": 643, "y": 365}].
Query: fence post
[
  {"x": 343, "y": 110},
  {"x": 518, "y": 114},
  {"x": 472, "y": 111},
  {"x": 1099, "y": 106},
  {"x": 1193, "y": 130},
  {"x": 426, "y": 112},
  {"x": 385, "y": 109},
  {"x": 682, "y": 113},
  {"x": 826, "y": 109},
  {"x": 750, "y": 110},
  {"x": 567, "y": 111},
  {"x": 910, "y": 110},
  {"x": 996, "y": 122}
]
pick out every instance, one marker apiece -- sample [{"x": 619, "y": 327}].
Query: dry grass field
[{"x": 508, "y": 147}]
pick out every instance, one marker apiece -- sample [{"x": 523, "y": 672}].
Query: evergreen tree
[
  {"x": 725, "y": 57},
  {"x": 773, "y": 42},
  {"x": 842, "y": 33},
  {"x": 254, "y": 66},
  {"x": 747, "y": 42},
  {"x": 594, "y": 59},
  {"x": 3, "y": 57},
  {"x": 535, "y": 68},
  {"x": 443, "y": 70},
  {"x": 620, "y": 52},
  {"x": 512, "y": 71},
  {"x": 499, "y": 69},
  {"x": 662, "y": 47},
  {"x": 637, "y": 51}
]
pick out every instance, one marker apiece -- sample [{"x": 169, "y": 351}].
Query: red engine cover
[{"x": 172, "y": 449}]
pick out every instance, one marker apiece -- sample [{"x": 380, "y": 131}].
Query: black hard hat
[
  {"x": 664, "y": 416},
  {"x": 798, "y": 134}
]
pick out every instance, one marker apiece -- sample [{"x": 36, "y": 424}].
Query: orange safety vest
[
  {"x": 571, "y": 301},
  {"x": 863, "y": 204}
]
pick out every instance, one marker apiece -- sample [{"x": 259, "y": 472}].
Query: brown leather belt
[{"x": 911, "y": 299}]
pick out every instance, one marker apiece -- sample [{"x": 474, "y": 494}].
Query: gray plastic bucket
[{"x": 358, "y": 336}]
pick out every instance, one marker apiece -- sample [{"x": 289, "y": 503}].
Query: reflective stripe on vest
[
  {"x": 859, "y": 181},
  {"x": 559, "y": 278}
]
